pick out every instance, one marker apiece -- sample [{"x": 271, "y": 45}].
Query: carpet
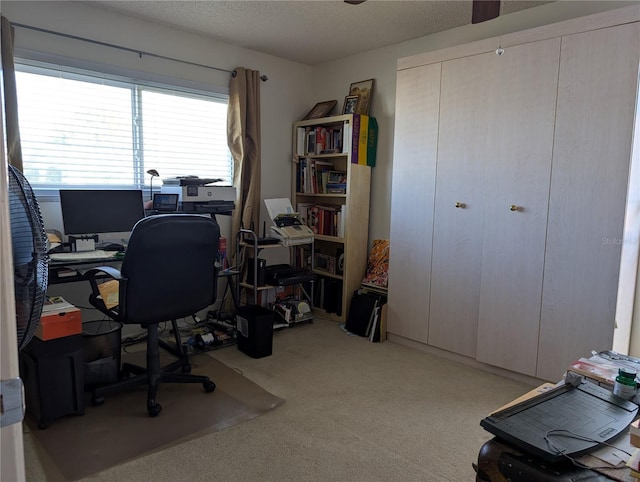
[{"x": 120, "y": 430}]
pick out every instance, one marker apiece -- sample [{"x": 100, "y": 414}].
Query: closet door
[
  {"x": 594, "y": 128},
  {"x": 414, "y": 164},
  {"x": 520, "y": 139},
  {"x": 459, "y": 204}
]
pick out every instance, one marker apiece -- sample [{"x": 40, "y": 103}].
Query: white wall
[
  {"x": 292, "y": 87},
  {"x": 332, "y": 80},
  {"x": 285, "y": 96}
]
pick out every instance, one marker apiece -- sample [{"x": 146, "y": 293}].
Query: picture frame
[
  {"x": 321, "y": 109},
  {"x": 350, "y": 104},
  {"x": 364, "y": 89}
]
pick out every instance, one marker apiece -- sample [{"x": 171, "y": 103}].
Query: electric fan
[{"x": 30, "y": 259}]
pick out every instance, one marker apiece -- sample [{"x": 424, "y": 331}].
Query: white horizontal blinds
[
  {"x": 82, "y": 130},
  {"x": 74, "y": 132},
  {"x": 182, "y": 135}
]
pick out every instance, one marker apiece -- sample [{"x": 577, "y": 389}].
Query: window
[{"x": 84, "y": 130}]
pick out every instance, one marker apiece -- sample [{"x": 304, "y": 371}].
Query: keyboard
[{"x": 82, "y": 255}]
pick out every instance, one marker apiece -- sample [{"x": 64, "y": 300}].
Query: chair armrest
[
  {"x": 99, "y": 270},
  {"x": 95, "y": 298}
]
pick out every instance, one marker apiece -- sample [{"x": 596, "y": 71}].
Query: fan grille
[{"x": 30, "y": 259}]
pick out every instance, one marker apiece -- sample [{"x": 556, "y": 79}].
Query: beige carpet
[{"x": 121, "y": 430}]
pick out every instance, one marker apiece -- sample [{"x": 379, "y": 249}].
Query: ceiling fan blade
[{"x": 484, "y": 10}]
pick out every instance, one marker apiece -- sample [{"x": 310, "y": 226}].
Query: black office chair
[{"x": 169, "y": 271}]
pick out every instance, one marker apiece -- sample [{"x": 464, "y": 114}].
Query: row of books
[
  {"x": 324, "y": 219},
  {"x": 317, "y": 176},
  {"x": 364, "y": 140},
  {"x": 328, "y": 295},
  {"x": 322, "y": 140},
  {"x": 361, "y": 138}
]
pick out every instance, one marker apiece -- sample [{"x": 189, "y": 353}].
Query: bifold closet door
[
  {"x": 459, "y": 203},
  {"x": 592, "y": 151},
  {"x": 414, "y": 164},
  {"x": 520, "y": 139}
]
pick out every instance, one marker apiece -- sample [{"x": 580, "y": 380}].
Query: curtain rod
[{"x": 140, "y": 53}]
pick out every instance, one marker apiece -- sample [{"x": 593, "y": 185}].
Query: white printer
[{"x": 288, "y": 227}]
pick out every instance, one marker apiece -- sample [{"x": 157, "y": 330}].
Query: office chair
[{"x": 169, "y": 271}]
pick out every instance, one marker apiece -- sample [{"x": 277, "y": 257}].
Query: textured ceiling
[{"x": 308, "y": 31}]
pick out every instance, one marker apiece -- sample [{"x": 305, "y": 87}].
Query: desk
[
  {"x": 63, "y": 271},
  {"x": 68, "y": 267}
]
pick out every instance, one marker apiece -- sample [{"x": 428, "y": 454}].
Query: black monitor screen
[{"x": 100, "y": 211}]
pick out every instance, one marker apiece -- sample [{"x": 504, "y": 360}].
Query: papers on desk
[{"x": 55, "y": 303}]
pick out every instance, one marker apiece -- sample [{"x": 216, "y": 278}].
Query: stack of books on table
[{"x": 602, "y": 368}]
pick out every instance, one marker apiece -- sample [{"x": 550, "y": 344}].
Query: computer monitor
[
  {"x": 165, "y": 203},
  {"x": 95, "y": 211}
]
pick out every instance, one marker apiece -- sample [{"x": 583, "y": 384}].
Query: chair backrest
[{"x": 170, "y": 265}]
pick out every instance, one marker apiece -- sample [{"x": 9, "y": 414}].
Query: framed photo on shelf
[
  {"x": 350, "y": 104},
  {"x": 363, "y": 89},
  {"x": 321, "y": 109}
]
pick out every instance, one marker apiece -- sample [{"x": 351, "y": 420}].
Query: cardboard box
[{"x": 58, "y": 324}]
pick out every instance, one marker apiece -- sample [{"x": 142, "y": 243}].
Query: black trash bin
[
  {"x": 255, "y": 330},
  {"x": 101, "y": 344}
]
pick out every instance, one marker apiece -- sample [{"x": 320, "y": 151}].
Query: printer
[
  {"x": 198, "y": 196},
  {"x": 288, "y": 227}
]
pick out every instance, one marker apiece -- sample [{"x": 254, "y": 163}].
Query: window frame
[{"x": 136, "y": 81}]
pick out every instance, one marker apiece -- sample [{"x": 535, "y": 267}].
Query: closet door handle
[{"x": 460, "y": 205}]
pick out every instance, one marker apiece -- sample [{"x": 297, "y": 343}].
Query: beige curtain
[
  {"x": 10, "y": 96},
  {"x": 243, "y": 133}
]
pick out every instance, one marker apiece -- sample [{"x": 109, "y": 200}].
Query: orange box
[{"x": 57, "y": 324}]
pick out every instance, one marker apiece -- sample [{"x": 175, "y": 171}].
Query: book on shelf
[
  {"x": 372, "y": 142},
  {"x": 300, "y": 141},
  {"x": 364, "y": 140},
  {"x": 319, "y": 140}
]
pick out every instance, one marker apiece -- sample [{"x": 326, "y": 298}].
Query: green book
[{"x": 372, "y": 142}]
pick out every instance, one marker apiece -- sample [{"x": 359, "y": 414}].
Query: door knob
[
  {"x": 461, "y": 205},
  {"x": 513, "y": 207}
]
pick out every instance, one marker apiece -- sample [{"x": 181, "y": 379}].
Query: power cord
[{"x": 570, "y": 434}]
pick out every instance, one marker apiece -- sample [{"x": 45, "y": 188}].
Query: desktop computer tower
[
  {"x": 255, "y": 330},
  {"x": 53, "y": 375}
]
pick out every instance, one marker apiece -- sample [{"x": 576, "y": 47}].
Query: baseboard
[{"x": 519, "y": 377}]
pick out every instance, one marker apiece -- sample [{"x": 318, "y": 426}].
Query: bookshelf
[{"x": 331, "y": 193}]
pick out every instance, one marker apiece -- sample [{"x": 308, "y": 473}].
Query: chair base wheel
[
  {"x": 154, "y": 409},
  {"x": 209, "y": 386}
]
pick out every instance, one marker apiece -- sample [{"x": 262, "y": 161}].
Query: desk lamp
[{"x": 153, "y": 173}]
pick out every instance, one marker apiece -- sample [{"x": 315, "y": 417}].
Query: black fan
[{"x": 30, "y": 259}]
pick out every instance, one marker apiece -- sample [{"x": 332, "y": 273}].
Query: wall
[
  {"x": 285, "y": 96},
  {"x": 332, "y": 80},
  {"x": 291, "y": 89}
]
